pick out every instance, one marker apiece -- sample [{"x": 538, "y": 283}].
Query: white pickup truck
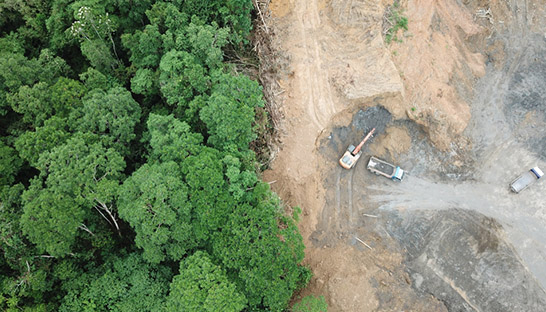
[
  {"x": 381, "y": 167},
  {"x": 526, "y": 179}
]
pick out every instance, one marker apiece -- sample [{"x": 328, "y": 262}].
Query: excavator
[{"x": 351, "y": 156}]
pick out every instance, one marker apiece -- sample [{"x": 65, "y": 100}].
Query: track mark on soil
[{"x": 320, "y": 106}]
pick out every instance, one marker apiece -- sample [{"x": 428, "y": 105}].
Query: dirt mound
[
  {"x": 439, "y": 66},
  {"x": 392, "y": 143}
]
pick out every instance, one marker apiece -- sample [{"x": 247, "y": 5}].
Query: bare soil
[{"x": 425, "y": 97}]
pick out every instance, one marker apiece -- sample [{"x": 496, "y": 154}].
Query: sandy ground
[{"x": 420, "y": 90}]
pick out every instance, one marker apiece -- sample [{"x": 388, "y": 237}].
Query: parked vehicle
[
  {"x": 526, "y": 179},
  {"x": 381, "y": 167}
]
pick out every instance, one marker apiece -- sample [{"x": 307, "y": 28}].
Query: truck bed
[{"x": 381, "y": 166}]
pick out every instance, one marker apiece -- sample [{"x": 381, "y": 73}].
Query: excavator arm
[{"x": 359, "y": 147}]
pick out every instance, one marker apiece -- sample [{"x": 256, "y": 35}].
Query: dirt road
[{"x": 460, "y": 104}]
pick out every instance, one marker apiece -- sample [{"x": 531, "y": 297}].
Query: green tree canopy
[
  {"x": 171, "y": 139},
  {"x": 154, "y": 200},
  {"x": 145, "y": 47},
  {"x": 149, "y": 120},
  {"x": 112, "y": 115},
  {"x": 124, "y": 284},
  {"x": 231, "y": 13},
  {"x": 95, "y": 30},
  {"x": 210, "y": 199},
  {"x": 265, "y": 248},
  {"x": 94, "y": 79},
  {"x": 17, "y": 71},
  {"x": 75, "y": 177},
  {"x": 203, "y": 41},
  {"x": 23, "y": 276},
  {"x": 9, "y": 164},
  {"x": 145, "y": 82},
  {"x": 33, "y": 103},
  {"x": 66, "y": 95},
  {"x": 50, "y": 220},
  {"x": 32, "y": 144},
  {"x": 181, "y": 77},
  {"x": 203, "y": 286},
  {"x": 230, "y": 111}
]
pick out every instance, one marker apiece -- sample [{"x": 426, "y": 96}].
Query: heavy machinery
[
  {"x": 381, "y": 167},
  {"x": 351, "y": 156}
]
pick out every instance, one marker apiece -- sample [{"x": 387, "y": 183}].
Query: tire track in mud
[
  {"x": 350, "y": 196},
  {"x": 341, "y": 215},
  {"x": 320, "y": 106},
  {"x": 523, "y": 216},
  {"x": 343, "y": 201}
]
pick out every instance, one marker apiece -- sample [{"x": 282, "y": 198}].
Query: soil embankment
[{"x": 460, "y": 92}]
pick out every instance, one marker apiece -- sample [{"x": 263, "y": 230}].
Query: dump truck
[
  {"x": 526, "y": 179},
  {"x": 351, "y": 156},
  {"x": 381, "y": 167}
]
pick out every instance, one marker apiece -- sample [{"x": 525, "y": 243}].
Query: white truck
[
  {"x": 526, "y": 179},
  {"x": 381, "y": 167}
]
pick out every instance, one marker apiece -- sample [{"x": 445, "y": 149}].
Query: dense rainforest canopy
[{"x": 126, "y": 178}]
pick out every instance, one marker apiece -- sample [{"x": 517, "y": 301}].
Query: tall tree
[
  {"x": 234, "y": 14},
  {"x": 76, "y": 179},
  {"x": 32, "y": 144},
  {"x": 230, "y": 111},
  {"x": 24, "y": 279},
  {"x": 154, "y": 200},
  {"x": 201, "y": 40},
  {"x": 265, "y": 248},
  {"x": 172, "y": 139},
  {"x": 95, "y": 28},
  {"x": 50, "y": 220},
  {"x": 203, "y": 286},
  {"x": 210, "y": 199},
  {"x": 33, "y": 103},
  {"x": 145, "y": 47},
  {"x": 17, "y": 71},
  {"x": 181, "y": 77},
  {"x": 112, "y": 115},
  {"x": 10, "y": 163},
  {"x": 121, "y": 284}
]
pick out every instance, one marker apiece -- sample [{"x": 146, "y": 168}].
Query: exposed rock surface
[{"x": 462, "y": 259}]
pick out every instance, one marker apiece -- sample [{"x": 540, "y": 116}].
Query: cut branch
[
  {"x": 358, "y": 239},
  {"x": 257, "y": 4}
]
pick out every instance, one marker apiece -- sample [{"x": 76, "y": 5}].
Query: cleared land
[{"x": 460, "y": 104}]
